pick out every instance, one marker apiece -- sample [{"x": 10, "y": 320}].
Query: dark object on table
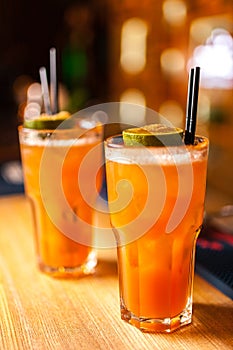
[
  {"x": 11, "y": 178},
  {"x": 214, "y": 254}
]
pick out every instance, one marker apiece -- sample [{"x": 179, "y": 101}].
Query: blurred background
[{"x": 122, "y": 50}]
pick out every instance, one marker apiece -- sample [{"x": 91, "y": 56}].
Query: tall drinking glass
[
  {"x": 62, "y": 175},
  {"x": 156, "y": 202}
]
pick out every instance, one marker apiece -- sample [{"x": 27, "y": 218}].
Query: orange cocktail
[
  {"x": 156, "y": 201},
  {"x": 62, "y": 202}
]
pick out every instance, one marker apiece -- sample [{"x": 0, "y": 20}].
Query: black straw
[{"x": 191, "y": 110}]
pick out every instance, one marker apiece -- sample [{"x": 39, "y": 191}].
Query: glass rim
[
  {"x": 202, "y": 144},
  {"x": 25, "y": 130},
  {"x": 45, "y": 137}
]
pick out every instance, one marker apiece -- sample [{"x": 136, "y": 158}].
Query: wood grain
[{"x": 39, "y": 312}]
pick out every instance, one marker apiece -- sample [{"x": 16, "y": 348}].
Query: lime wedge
[
  {"x": 153, "y": 135},
  {"x": 46, "y": 122}
]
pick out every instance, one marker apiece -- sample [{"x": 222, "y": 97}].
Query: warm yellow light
[
  {"x": 173, "y": 111},
  {"x": 200, "y": 30},
  {"x": 134, "y": 115},
  {"x": 133, "y": 45},
  {"x": 172, "y": 61},
  {"x": 174, "y": 11}
]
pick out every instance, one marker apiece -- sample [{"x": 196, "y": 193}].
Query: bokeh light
[{"x": 133, "y": 45}]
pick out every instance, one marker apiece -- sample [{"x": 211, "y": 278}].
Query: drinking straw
[
  {"x": 45, "y": 90},
  {"x": 53, "y": 81},
  {"x": 191, "y": 110}
]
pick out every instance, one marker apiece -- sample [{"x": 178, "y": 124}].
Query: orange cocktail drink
[
  {"x": 61, "y": 199},
  {"x": 156, "y": 201}
]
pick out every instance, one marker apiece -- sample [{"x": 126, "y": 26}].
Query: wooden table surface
[{"x": 38, "y": 312}]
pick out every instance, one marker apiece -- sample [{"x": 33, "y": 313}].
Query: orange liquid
[
  {"x": 54, "y": 248},
  {"x": 156, "y": 268}
]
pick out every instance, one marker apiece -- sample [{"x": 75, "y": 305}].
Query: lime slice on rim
[
  {"x": 44, "y": 121},
  {"x": 153, "y": 135}
]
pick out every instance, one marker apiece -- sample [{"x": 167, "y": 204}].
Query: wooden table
[{"x": 38, "y": 312}]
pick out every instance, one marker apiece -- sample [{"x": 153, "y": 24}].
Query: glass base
[
  {"x": 87, "y": 268},
  {"x": 167, "y": 325}
]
